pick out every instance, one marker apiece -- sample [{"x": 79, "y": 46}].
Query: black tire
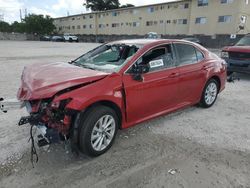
[
  {"x": 203, "y": 102},
  {"x": 86, "y": 125},
  {"x": 70, "y": 40}
]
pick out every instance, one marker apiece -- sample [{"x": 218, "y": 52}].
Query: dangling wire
[{"x": 33, "y": 148}]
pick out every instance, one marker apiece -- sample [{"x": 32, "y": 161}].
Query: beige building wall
[
  {"x": 211, "y": 12},
  {"x": 175, "y": 18}
]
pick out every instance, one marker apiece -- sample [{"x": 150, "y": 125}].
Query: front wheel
[
  {"x": 98, "y": 129},
  {"x": 209, "y": 94}
]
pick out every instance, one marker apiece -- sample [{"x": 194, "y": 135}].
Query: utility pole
[
  {"x": 25, "y": 12},
  {"x": 21, "y": 17},
  {"x": 2, "y": 17}
]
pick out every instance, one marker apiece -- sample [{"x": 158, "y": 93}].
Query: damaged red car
[{"x": 115, "y": 86}]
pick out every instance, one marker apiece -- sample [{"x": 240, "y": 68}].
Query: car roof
[
  {"x": 142, "y": 41},
  {"x": 147, "y": 41}
]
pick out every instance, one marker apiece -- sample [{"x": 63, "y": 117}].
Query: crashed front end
[
  {"x": 52, "y": 119},
  {"x": 42, "y": 86}
]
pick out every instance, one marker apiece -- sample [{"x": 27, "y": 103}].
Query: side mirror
[
  {"x": 138, "y": 70},
  {"x": 141, "y": 69}
]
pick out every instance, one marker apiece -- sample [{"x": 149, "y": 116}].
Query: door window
[
  {"x": 188, "y": 54},
  {"x": 158, "y": 58}
]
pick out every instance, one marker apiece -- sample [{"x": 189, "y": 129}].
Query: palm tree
[{"x": 102, "y": 5}]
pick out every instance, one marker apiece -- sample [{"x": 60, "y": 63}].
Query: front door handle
[{"x": 174, "y": 75}]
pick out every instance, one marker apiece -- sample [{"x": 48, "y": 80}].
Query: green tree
[
  {"x": 18, "y": 27},
  {"x": 102, "y": 5},
  {"x": 38, "y": 24},
  {"x": 5, "y": 27}
]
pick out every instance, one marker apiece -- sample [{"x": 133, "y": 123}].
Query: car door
[
  {"x": 157, "y": 90},
  {"x": 192, "y": 75}
]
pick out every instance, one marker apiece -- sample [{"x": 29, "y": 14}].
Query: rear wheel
[
  {"x": 210, "y": 93},
  {"x": 98, "y": 129}
]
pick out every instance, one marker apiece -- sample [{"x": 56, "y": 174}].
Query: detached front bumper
[{"x": 45, "y": 135}]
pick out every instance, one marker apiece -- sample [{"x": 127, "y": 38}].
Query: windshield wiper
[{"x": 86, "y": 66}]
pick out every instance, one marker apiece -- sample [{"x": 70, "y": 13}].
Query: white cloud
[
  {"x": 10, "y": 9},
  {"x": 144, "y": 2},
  {"x": 36, "y": 10},
  {"x": 73, "y": 7}
]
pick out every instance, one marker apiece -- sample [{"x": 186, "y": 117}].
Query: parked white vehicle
[{"x": 70, "y": 38}]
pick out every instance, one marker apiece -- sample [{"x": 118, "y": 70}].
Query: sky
[{"x": 10, "y": 9}]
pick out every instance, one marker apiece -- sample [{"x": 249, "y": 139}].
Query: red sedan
[{"x": 115, "y": 86}]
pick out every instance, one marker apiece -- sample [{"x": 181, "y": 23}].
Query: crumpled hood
[
  {"x": 243, "y": 49},
  {"x": 41, "y": 81}
]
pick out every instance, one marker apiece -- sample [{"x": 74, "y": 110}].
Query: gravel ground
[{"x": 193, "y": 147}]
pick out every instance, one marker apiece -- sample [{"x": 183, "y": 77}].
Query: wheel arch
[
  {"x": 109, "y": 104},
  {"x": 217, "y": 79}
]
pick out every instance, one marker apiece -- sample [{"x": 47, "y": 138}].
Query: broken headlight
[{"x": 60, "y": 104}]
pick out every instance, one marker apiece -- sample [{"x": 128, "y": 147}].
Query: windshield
[
  {"x": 107, "y": 58},
  {"x": 245, "y": 41}
]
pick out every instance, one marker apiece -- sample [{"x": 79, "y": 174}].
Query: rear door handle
[{"x": 174, "y": 75}]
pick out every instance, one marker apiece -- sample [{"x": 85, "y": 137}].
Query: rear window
[{"x": 188, "y": 54}]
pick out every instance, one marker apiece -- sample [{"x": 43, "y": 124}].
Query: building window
[
  {"x": 73, "y": 27},
  {"x": 73, "y": 18},
  {"x": 168, "y": 21},
  {"x": 202, "y": 3},
  {"x": 84, "y": 17},
  {"x": 115, "y": 24},
  {"x": 84, "y": 26},
  {"x": 201, "y": 20},
  {"x": 151, "y": 9},
  {"x": 114, "y": 13},
  {"x": 225, "y": 19},
  {"x": 182, "y": 21},
  {"x": 136, "y": 24},
  {"x": 101, "y": 25},
  {"x": 90, "y": 16},
  {"x": 161, "y": 22},
  {"x": 186, "y": 5},
  {"x": 226, "y": 1},
  {"x": 90, "y": 26},
  {"x": 151, "y": 23}
]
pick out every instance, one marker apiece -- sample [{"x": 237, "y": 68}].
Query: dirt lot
[{"x": 205, "y": 147}]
